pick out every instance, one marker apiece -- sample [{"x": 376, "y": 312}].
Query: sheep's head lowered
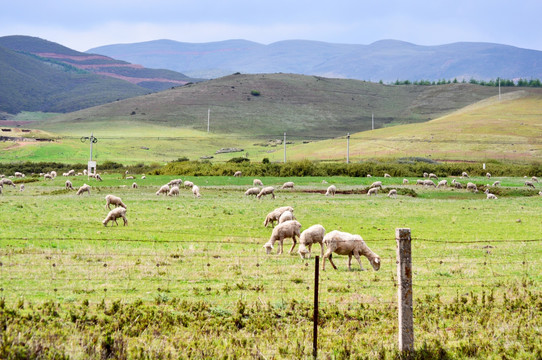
[{"x": 375, "y": 262}]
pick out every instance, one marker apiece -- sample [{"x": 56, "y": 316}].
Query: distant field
[{"x": 190, "y": 276}]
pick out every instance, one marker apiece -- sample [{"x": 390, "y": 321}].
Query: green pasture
[{"x": 201, "y": 259}]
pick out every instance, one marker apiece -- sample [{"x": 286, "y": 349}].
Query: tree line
[{"x": 502, "y": 82}]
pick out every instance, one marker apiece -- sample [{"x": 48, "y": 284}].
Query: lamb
[
  {"x": 257, "y": 182},
  {"x": 114, "y": 214},
  {"x": 433, "y": 176},
  {"x": 429, "y": 183},
  {"x": 21, "y": 187},
  {"x": 275, "y": 215},
  {"x": 314, "y": 234},
  {"x": 266, "y": 191},
  {"x": 488, "y": 175},
  {"x": 490, "y": 195},
  {"x": 69, "y": 185},
  {"x": 83, "y": 188},
  {"x": 405, "y": 181},
  {"x": 288, "y": 229},
  {"x": 115, "y": 200},
  {"x": 529, "y": 184},
  {"x": 164, "y": 189},
  {"x": 472, "y": 187},
  {"x": 496, "y": 183},
  {"x": 376, "y": 184},
  {"x": 195, "y": 191},
  {"x": 442, "y": 183},
  {"x": 7, "y": 182},
  {"x": 286, "y": 216},
  {"x": 188, "y": 184},
  {"x": 288, "y": 185},
  {"x": 464, "y": 174},
  {"x": 392, "y": 193},
  {"x": 331, "y": 190},
  {"x": 372, "y": 191},
  {"x": 174, "y": 191},
  {"x": 134, "y": 186},
  {"x": 343, "y": 243},
  {"x": 252, "y": 191},
  {"x": 238, "y": 174}
]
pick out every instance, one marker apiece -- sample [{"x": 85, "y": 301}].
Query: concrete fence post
[{"x": 404, "y": 277}]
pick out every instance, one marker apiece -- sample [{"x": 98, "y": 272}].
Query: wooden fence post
[{"x": 404, "y": 277}]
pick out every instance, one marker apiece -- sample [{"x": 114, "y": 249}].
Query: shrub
[{"x": 238, "y": 160}]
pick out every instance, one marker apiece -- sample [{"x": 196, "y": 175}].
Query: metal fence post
[
  {"x": 315, "y": 315},
  {"x": 404, "y": 277}
]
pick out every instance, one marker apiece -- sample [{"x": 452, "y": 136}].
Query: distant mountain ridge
[{"x": 386, "y": 60}]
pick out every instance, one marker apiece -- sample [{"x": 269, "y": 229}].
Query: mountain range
[{"x": 386, "y": 60}]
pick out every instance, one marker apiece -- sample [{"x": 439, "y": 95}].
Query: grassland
[{"x": 189, "y": 277}]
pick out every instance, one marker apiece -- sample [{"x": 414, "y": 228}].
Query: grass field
[{"x": 189, "y": 277}]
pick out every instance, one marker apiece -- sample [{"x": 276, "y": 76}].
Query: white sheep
[
  {"x": 114, "y": 214},
  {"x": 48, "y": 177},
  {"x": 496, "y": 183},
  {"x": 488, "y": 175},
  {"x": 21, "y": 187},
  {"x": 164, "y": 189},
  {"x": 252, "y": 191},
  {"x": 529, "y": 184},
  {"x": 175, "y": 182},
  {"x": 472, "y": 187},
  {"x": 419, "y": 182},
  {"x": 69, "y": 185},
  {"x": 405, "y": 181},
  {"x": 433, "y": 176},
  {"x": 113, "y": 200},
  {"x": 490, "y": 195},
  {"x": 195, "y": 191},
  {"x": 174, "y": 191},
  {"x": 429, "y": 183},
  {"x": 53, "y": 174},
  {"x": 288, "y": 229},
  {"x": 257, "y": 182},
  {"x": 392, "y": 193},
  {"x": 98, "y": 177},
  {"x": 6, "y": 181},
  {"x": 310, "y": 236},
  {"x": 376, "y": 184},
  {"x": 134, "y": 185},
  {"x": 288, "y": 185},
  {"x": 83, "y": 188},
  {"x": 324, "y": 182},
  {"x": 331, "y": 190},
  {"x": 286, "y": 216},
  {"x": 188, "y": 184},
  {"x": 344, "y": 243},
  {"x": 442, "y": 183},
  {"x": 425, "y": 174},
  {"x": 275, "y": 215},
  {"x": 386, "y": 175},
  {"x": 238, "y": 174},
  {"x": 19, "y": 174},
  {"x": 266, "y": 191},
  {"x": 372, "y": 191},
  {"x": 534, "y": 179},
  {"x": 464, "y": 174},
  {"x": 143, "y": 177},
  {"x": 369, "y": 175},
  {"x": 129, "y": 177}
]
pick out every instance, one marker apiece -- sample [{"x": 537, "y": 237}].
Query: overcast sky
[{"x": 82, "y": 25}]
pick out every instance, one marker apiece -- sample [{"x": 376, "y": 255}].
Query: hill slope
[{"x": 386, "y": 60}]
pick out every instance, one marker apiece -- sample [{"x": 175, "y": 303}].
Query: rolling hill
[
  {"x": 39, "y": 75},
  {"x": 386, "y": 60}
]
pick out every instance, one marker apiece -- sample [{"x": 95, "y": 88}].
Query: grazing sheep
[
  {"x": 188, "y": 184},
  {"x": 19, "y": 174},
  {"x": 529, "y": 184},
  {"x": 312, "y": 235},
  {"x": 464, "y": 174},
  {"x": 83, "y": 188},
  {"x": 429, "y": 183},
  {"x": 369, "y": 175},
  {"x": 442, "y": 183},
  {"x": 275, "y": 215},
  {"x": 425, "y": 174},
  {"x": 129, "y": 177},
  {"x": 376, "y": 184},
  {"x": 266, "y": 191},
  {"x": 472, "y": 187},
  {"x": 85, "y": 172},
  {"x": 392, "y": 193},
  {"x": 7, "y": 182},
  {"x": 174, "y": 191},
  {"x": 134, "y": 186},
  {"x": 324, "y": 182},
  {"x": 143, "y": 177},
  {"x": 288, "y": 185},
  {"x": 405, "y": 181},
  {"x": 98, "y": 177},
  {"x": 175, "y": 182},
  {"x": 164, "y": 189},
  {"x": 539, "y": 193},
  {"x": 496, "y": 183},
  {"x": 488, "y": 175},
  {"x": 195, "y": 191},
  {"x": 252, "y": 191},
  {"x": 419, "y": 182},
  {"x": 53, "y": 174},
  {"x": 21, "y": 187},
  {"x": 386, "y": 175},
  {"x": 69, "y": 185},
  {"x": 372, "y": 191},
  {"x": 114, "y": 215},
  {"x": 257, "y": 182},
  {"x": 343, "y": 243},
  {"x": 48, "y": 177},
  {"x": 433, "y": 176},
  {"x": 238, "y": 174},
  {"x": 534, "y": 179},
  {"x": 331, "y": 190},
  {"x": 490, "y": 195},
  {"x": 288, "y": 229},
  {"x": 286, "y": 216},
  {"x": 457, "y": 184},
  {"x": 115, "y": 200}
]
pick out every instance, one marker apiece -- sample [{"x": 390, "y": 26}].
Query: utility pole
[
  {"x": 284, "y": 148},
  {"x": 348, "y": 148},
  {"x": 92, "y": 140}
]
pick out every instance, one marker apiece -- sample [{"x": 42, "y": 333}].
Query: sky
[{"x": 82, "y": 25}]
